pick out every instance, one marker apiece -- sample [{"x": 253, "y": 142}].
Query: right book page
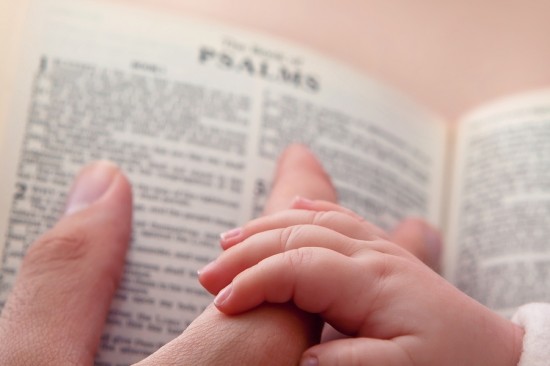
[{"x": 498, "y": 242}]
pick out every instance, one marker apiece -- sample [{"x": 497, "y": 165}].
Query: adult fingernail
[
  {"x": 223, "y": 295},
  {"x": 433, "y": 244},
  {"x": 309, "y": 361},
  {"x": 90, "y": 185}
]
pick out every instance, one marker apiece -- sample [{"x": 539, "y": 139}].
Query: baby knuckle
[
  {"x": 380, "y": 265},
  {"x": 289, "y": 237},
  {"x": 299, "y": 259},
  {"x": 398, "y": 250},
  {"x": 319, "y": 217}
]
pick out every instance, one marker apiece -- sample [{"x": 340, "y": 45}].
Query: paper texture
[{"x": 500, "y": 218}]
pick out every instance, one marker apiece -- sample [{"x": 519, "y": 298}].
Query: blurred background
[{"x": 448, "y": 55}]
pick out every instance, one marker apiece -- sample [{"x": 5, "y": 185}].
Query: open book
[{"x": 196, "y": 115}]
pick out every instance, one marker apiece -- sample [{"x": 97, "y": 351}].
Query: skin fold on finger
[
  {"x": 258, "y": 247},
  {"x": 413, "y": 234},
  {"x": 230, "y": 263},
  {"x": 320, "y": 205},
  {"x": 334, "y": 220},
  {"x": 58, "y": 305}
]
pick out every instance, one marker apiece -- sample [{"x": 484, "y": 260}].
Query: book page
[
  {"x": 498, "y": 249},
  {"x": 196, "y": 115},
  {"x": 12, "y": 17}
]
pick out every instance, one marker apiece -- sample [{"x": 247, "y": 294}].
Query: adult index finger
[{"x": 299, "y": 173}]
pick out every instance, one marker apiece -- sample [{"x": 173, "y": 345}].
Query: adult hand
[{"x": 58, "y": 305}]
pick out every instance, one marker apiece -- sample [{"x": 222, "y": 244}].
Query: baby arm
[{"x": 332, "y": 263}]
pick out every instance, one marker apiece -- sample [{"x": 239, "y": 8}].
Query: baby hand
[{"x": 396, "y": 309}]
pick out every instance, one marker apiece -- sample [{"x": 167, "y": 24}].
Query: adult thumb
[
  {"x": 57, "y": 308},
  {"x": 419, "y": 238}
]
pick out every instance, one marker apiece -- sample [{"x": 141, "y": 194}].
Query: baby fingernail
[
  {"x": 302, "y": 201},
  {"x": 309, "y": 361},
  {"x": 230, "y": 234},
  {"x": 223, "y": 295},
  {"x": 206, "y": 268}
]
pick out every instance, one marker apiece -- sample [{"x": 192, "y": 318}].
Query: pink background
[{"x": 450, "y": 55}]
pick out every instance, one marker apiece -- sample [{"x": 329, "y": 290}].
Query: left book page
[
  {"x": 196, "y": 115},
  {"x": 12, "y": 19}
]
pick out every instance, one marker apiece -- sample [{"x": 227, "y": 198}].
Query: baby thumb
[{"x": 356, "y": 352}]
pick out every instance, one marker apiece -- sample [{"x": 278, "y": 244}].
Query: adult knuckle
[{"x": 57, "y": 248}]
